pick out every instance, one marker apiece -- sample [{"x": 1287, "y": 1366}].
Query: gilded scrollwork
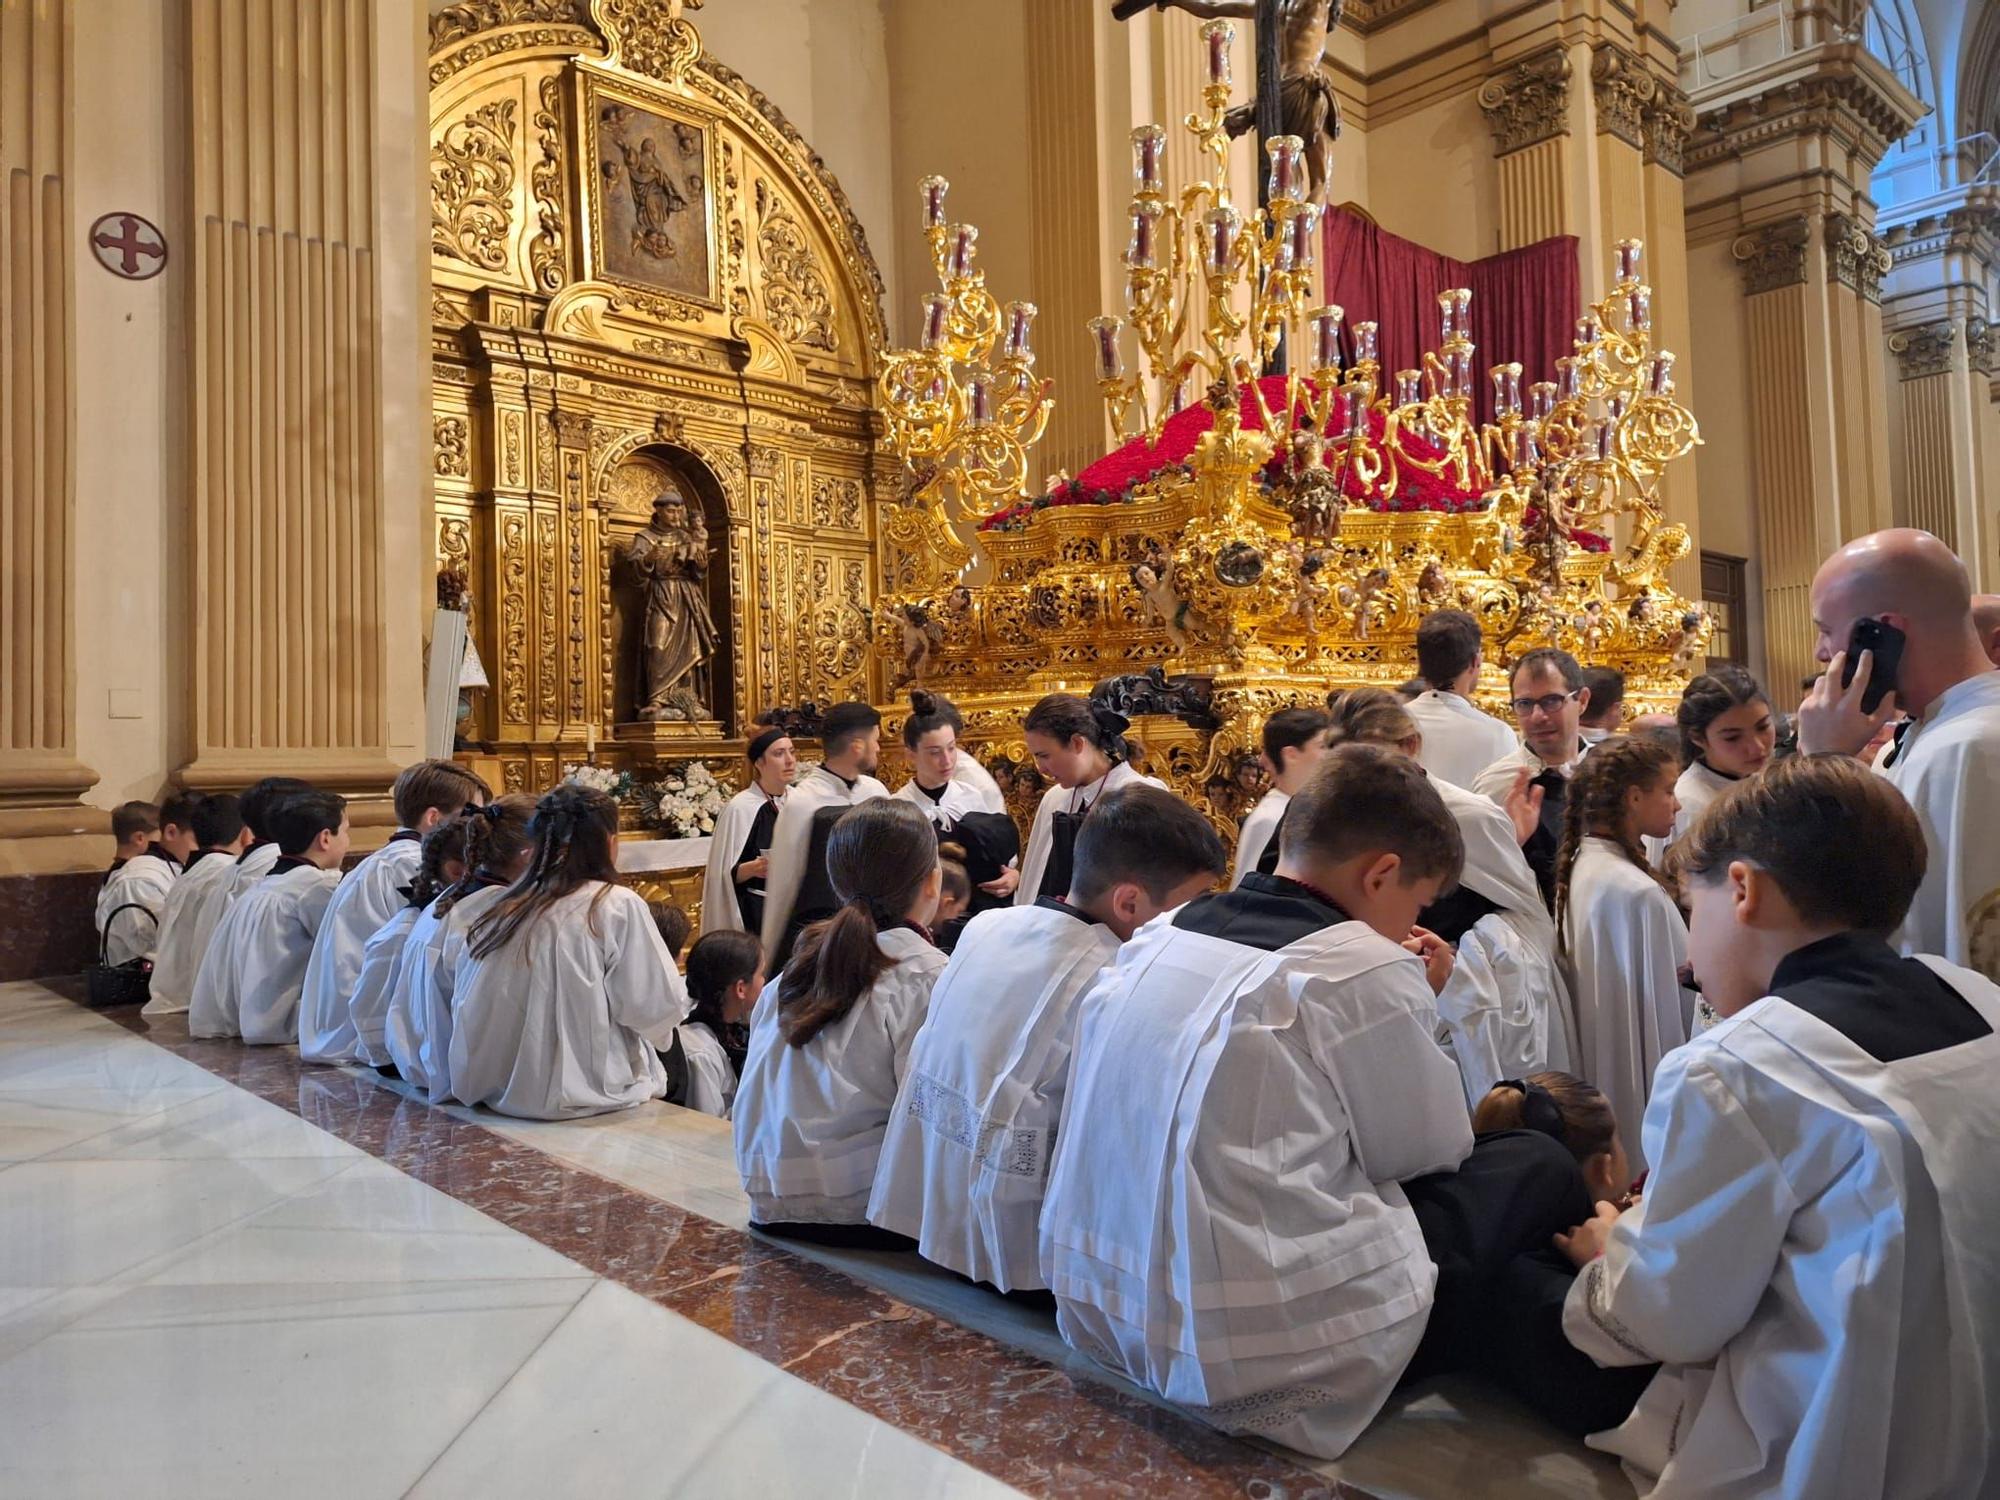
[
  {"x": 548, "y": 637},
  {"x": 514, "y": 545},
  {"x": 796, "y": 301},
  {"x": 455, "y": 23},
  {"x": 545, "y": 251},
  {"x": 472, "y": 185},
  {"x": 650, "y": 36},
  {"x": 450, "y": 458}
]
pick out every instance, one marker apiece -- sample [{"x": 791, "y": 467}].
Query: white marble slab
[{"x": 644, "y": 856}]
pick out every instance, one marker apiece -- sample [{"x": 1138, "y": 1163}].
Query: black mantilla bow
[
  {"x": 1539, "y": 1110},
  {"x": 802, "y": 722},
  {"x": 1187, "y": 698}
]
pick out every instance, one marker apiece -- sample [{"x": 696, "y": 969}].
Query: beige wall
[{"x": 134, "y": 123}]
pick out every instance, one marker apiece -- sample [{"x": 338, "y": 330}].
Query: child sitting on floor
[
  {"x": 195, "y": 902},
  {"x": 954, "y": 901},
  {"x": 1812, "y": 1260},
  {"x": 256, "y": 962},
  {"x": 830, "y": 1037},
  {"x": 134, "y": 893},
  {"x": 440, "y": 865},
  {"x": 496, "y": 850},
  {"x": 725, "y": 974},
  {"x": 965, "y": 1160},
  {"x": 562, "y": 991}
]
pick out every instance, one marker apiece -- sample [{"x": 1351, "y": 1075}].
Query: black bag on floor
[{"x": 129, "y": 983}]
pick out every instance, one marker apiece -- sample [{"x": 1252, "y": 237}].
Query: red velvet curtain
[{"x": 1524, "y": 302}]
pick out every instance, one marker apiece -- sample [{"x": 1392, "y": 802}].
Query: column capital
[
  {"x": 1855, "y": 257},
  {"x": 1669, "y": 125},
  {"x": 1773, "y": 256},
  {"x": 1924, "y": 350},
  {"x": 1529, "y": 102},
  {"x": 1626, "y": 91},
  {"x": 1982, "y": 346}
]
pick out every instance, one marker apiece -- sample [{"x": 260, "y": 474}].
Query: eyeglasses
[{"x": 1549, "y": 704}]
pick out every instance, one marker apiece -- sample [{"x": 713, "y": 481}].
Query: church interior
[{"x": 593, "y": 395}]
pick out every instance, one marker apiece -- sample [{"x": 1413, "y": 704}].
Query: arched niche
[{"x": 630, "y": 488}]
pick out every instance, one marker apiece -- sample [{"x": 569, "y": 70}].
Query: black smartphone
[{"x": 1885, "y": 641}]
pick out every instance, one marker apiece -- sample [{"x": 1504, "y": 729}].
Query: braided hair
[
  {"x": 443, "y": 845},
  {"x": 495, "y": 837},
  {"x": 878, "y": 857},
  {"x": 1595, "y": 808},
  {"x": 572, "y": 829}
]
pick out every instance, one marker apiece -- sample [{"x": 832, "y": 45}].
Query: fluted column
[
  {"x": 1528, "y": 108},
  {"x": 40, "y": 776},
  {"x": 289, "y": 651},
  {"x": 1945, "y": 369}
]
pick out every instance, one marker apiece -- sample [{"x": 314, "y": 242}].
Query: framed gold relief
[{"x": 650, "y": 177}]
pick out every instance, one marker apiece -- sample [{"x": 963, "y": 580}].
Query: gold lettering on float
[
  {"x": 472, "y": 181},
  {"x": 514, "y": 616}
]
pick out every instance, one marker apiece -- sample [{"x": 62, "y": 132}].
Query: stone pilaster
[
  {"x": 1528, "y": 109},
  {"x": 287, "y": 528},
  {"x": 40, "y": 776}
]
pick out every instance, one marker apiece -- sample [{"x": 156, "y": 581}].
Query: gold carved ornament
[
  {"x": 796, "y": 301},
  {"x": 545, "y": 251},
  {"x": 472, "y": 180}
]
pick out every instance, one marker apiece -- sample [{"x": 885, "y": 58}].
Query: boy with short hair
[
  {"x": 261, "y": 853},
  {"x": 256, "y": 962},
  {"x": 965, "y": 1160},
  {"x": 1606, "y": 714},
  {"x": 1294, "y": 740},
  {"x": 673, "y": 926},
  {"x": 135, "y": 890},
  {"x": 425, "y": 795},
  {"x": 196, "y": 901},
  {"x": 1231, "y": 1218},
  {"x": 1812, "y": 1260}
]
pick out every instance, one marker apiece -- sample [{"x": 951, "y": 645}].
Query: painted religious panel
[{"x": 651, "y": 193}]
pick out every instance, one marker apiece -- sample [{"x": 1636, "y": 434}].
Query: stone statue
[
  {"x": 1306, "y": 103},
  {"x": 670, "y": 556}
]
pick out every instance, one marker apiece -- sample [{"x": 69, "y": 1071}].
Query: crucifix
[{"x": 1294, "y": 95}]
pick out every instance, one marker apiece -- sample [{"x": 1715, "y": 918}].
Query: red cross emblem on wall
[{"x": 129, "y": 246}]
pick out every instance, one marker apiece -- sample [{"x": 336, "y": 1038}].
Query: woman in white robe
[
  {"x": 369, "y": 895},
  {"x": 1080, "y": 747},
  {"x": 1728, "y": 734},
  {"x": 732, "y": 887},
  {"x": 1294, "y": 741},
  {"x": 1624, "y": 944},
  {"x": 563, "y": 991},
  {"x": 1812, "y": 1260},
  {"x": 830, "y": 1037},
  {"x": 965, "y": 1161},
  {"x": 725, "y": 975}
]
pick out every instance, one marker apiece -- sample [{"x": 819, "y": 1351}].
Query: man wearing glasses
[{"x": 1532, "y": 782}]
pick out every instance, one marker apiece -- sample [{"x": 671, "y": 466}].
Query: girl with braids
[
  {"x": 1727, "y": 734},
  {"x": 830, "y": 1039},
  {"x": 725, "y": 974},
  {"x": 1080, "y": 746},
  {"x": 418, "y": 1025},
  {"x": 1624, "y": 944},
  {"x": 440, "y": 864},
  {"x": 1506, "y": 1009},
  {"x": 561, "y": 992}
]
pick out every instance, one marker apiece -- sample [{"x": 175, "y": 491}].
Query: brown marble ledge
[{"x": 1020, "y": 1419}]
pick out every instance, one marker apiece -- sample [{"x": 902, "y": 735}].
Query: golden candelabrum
[{"x": 1319, "y": 517}]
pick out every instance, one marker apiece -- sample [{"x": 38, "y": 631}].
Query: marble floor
[{"x": 223, "y": 1273}]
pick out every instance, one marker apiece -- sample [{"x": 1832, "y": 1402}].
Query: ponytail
[
  {"x": 878, "y": 857},
  {"x": 1595, "y": 808},
  {"x": 443, "y": 845},
  {"x": 496, "y": 836},
  {"x": 1559, "y": 1105},
  {"x": 572, "y": 829}
]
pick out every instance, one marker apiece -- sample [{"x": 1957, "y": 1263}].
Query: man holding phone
[{"x": 1895, "y": 621}]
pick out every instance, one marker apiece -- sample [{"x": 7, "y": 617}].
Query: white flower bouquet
[
  {"x": 685, "y": 802},
  {"x": 604, "y": 779}
]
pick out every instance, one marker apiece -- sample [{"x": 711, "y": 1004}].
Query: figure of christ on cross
[{"x": 1300, "y": 91}]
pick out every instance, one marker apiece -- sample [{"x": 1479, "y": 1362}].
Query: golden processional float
[{"x": 1261, "y": 538}]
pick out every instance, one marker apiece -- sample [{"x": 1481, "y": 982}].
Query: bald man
[
  {"x": 1947, "y": 760},
  {"x": 1986, "y": 620}
]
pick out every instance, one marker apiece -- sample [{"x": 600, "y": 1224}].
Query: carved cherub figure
[
  {"x": 922, "y": 633},
  {"x": 1153, "y": 579},
  {"x": 1687, "y": 642},
  {"x": 1314, "y": 589},
  {"x": 1433, "y": 588},
  {"x": 1358, "y": 598}
]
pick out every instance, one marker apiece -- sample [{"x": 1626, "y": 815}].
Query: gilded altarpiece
[{"x": 643, "y": 280}]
